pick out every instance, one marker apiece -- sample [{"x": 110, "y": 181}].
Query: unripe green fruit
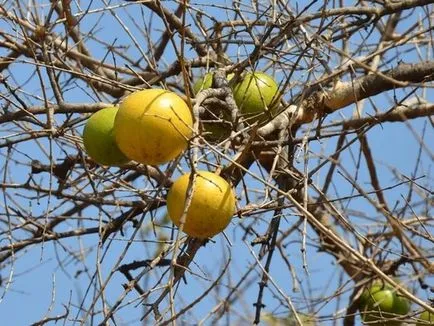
[
  {"x": 426, "y": 318},
  {"x": 256, "y": 93},
  {"x": 290, "y": 320},
  {"x": 99, "y": 140},
  {"x": 380, "y": 303},
  {"x": 205, "y": 82},
  {"x": 215, "y": 131}
]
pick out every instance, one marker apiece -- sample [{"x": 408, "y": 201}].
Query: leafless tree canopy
[{"x": 334, "y": 188}]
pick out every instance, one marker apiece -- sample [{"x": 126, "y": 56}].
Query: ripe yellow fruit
[
  {"x": 153, "y": 126},
  {"x": 99, "y": 140},
  {"x": 211, "y": 208}
]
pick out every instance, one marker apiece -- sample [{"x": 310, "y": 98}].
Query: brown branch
[
  {"x": 54, "y": 319},
  {"x": 58, "y": 109},
  {"x": 344, "y": 94},
  {"x": 176, "y": 24},
  {"x": 16, "y": 246},
  {"x": 321, "y": 103}
]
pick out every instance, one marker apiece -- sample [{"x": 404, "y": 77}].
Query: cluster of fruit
[
  {"x": 256, "y": 95},
  {"x": 380, "y": 304},
  {"x": 153, "y": 126}
]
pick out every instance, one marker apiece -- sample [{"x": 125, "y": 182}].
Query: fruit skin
[
  {"x": 380, "y": 302},
  {"x": 202, "y": 83},
  {"x": 427, "y": 317},
  {"x": 215, "y": 131},
  {"x": 153, "y": 126},
  {"x": 256, "y": 93},
  {"x": 205, "y": 82},
  {"x": 212, "y": 204},
  {"x": 290, "y": 320},
  {"x": 99, "y": 140}
]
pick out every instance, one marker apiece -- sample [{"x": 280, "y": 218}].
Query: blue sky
[{"x": 47, "y": 277}]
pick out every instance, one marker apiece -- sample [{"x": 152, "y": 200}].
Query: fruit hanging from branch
[
  {"x": 98, "y": 138},
  {"x": 425, "y": 318},
  {"x": 216, "y": 120},
  {"x": 255, "y": 94},
  {"x": 211, "y": 208},
  {"x": 153, "y": 126},
  {"x": 380, "y": 304},
  {"x": 205, "y": 82}
]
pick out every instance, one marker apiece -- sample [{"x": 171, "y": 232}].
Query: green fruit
[
  {"x": 381, "y": 302},
  {"x": 426, "y": 318},
  {"x": 205, "y": 82},
  {"x": 256, "y": 93},
  {"x": 98, "y": 138},
  {"x": 290, "y": 320},
  {"x": 215, "y": 130},
  {"x": 306, "y": 320},
  {"x": 401, "y": 305}
]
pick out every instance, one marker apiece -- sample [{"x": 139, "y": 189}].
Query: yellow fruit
[
  {"x": 99, "y": 140},
  {"x": 211, "y": 208},
  {"x": 153, "y": 126}
]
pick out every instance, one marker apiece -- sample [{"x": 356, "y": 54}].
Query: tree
[{"x": 334, "y": 188}]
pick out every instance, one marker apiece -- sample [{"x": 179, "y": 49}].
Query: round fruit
[
  {"x": 215, "y": 121},
  {"x": 401, "y": 306},
  {"x": 205, "y": 82},
  {"x": 306, "y": 320},
  {"x": 215, "y": 130},
  {"x": 99, "y": 140},
  {"x": 153, "y": 126},
  {"x": 211, "y": 208},
  {"x": 290, "y": 320},
  {"x": 426, "y": 318},
  {"x": 380, "y": 303},
  {"x": 256, "y": 93}
]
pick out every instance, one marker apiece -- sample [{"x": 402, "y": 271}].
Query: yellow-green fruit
[
  {"x": 380, "y": 303},
  {"x": 99, "y": 140},
  {"x": 216, "y": 131},
  {"x": 255, "y": 93},
  {"x": 306, "y": 320},
  {"x": 205, "y": 82},
  {"x": 426, "y": 318},
  {"x": 290, "y": 320},
  {"x": 211, "y": 208},
  {"x": 153, "y": 126}
]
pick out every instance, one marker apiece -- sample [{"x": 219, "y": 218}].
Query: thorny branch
[{"x": 59, "y": 63}]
